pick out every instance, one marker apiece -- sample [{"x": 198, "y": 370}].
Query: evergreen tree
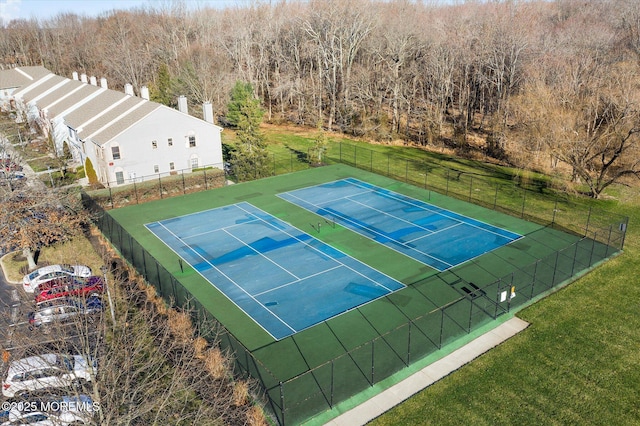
[
  {"x": 160, "y": 90},
  {"x": 90, "y": 172},
  {"x": 250, "y": 160}
]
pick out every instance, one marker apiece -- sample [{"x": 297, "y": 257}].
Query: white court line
[
  {"x": 413, "y": 202},
  {"x": 230, "y": 280},
  {"x": 297, "y": 238},
  {"x": 410, "y": 202},
  {"x": 350, "y": 220},
  {"x": 295, "y": 282},
  {"x": 394, "y": 216},
  {"x": 262, "y": 254},
  {"x": 323, "y": 243},
  {"x": 221, "y": 229}
]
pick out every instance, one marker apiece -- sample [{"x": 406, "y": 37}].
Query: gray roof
[
  {"x": 94, "y": 107},
  {"x": 29, "y": 93},
  {"x": 96, "y": 113},
  {"x": 20, "y": 77},
  {"x": 74, "y": 99},
  {"x": 108, "y": 117},
  {"x": 125, "y": 122},
  {"x": 60, "y": 92}
]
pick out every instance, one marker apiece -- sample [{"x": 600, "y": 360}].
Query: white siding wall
[{"x": 138, "y": 157}]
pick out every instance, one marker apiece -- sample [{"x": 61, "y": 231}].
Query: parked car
[
  {"x": 75, "y": 287},
  {"x": 46, "y": 371},
  {"x": 47, "y": 273},
  {"x": 37, "y": 418},
  {"x": 50, "y": 410},
  {"x": 63, "y": 310}
]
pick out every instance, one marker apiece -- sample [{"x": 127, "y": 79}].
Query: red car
[{"x": 66, "y": 287}]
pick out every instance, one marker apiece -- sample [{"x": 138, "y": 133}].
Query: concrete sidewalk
[{"x": 391, "y": 397}]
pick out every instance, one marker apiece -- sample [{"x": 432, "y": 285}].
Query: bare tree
[{"x": 34, "y": 219}]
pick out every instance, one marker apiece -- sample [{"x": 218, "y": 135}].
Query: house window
[
  {"x": 170, "y": 141},
  {"x": 194, "y": 163},
  {"x": 156, "y": 168},
  {"x": 115, "y": 152},
  {"x": 172, "y": 166},
  {"x": 119, "y": 178},
  {"x": 154, "y": 144},
  {"x": 192, "y": 141}
]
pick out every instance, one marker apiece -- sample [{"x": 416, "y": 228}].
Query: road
[{"x": 12, "y": 311}]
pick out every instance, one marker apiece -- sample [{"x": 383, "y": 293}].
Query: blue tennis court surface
[
  {"x": 434, "y": 236},
  {"x": 283, "y": 278}
]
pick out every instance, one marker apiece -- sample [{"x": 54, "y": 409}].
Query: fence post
[
  {"x": 495, "y": 197},
  {"x": 447, "y": 187},
  {"x": 282, "y": 402},
  {"x": 332, "y": 373},
  {"x": 388, "y": 165},
  {"x": 355, "y": 156},
  {"x": 160, "y": 185},
  {"x": 509, "y": 293},
  {"x": 373, "y": 361},
  {"x": 135, "y": 190},
  {"x": 586, "y": 229},
  {"x": 371, "y": 160},
  {"x": 441, "y": 327},
  {"x": 555, "y": 209},
  {"x": 593, "y": 247},
  {"x": 470, "y": 315},
  {"x": 524, "y": 200},
  {"x": 608, "y": 241},
  {"x": 406, "y": 171},
  {"x": 426, "y": 171},
  {"x": 555, "y": 268},
  {"x": 470, "y": 187},
  {"x": 533, "y": 282},
  {"x": 575, "y": 258},
  {"x": 110, "y": 196},
  {"x": 409, "y": 344},
  {"x": 340, "y": 146},
  {"x": 184, "y": 189},
  {"x": 206, "y": 185}
]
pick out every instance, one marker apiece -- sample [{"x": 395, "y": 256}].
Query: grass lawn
[
  {"x": 577, "y": 363},
  {"x": 77, "y": 251}
]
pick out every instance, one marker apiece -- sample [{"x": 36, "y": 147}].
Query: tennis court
[
  {"x": 432, "y": 235},
  {"x": 359, "y": 299},
  {"x": 281, "y": 277}
]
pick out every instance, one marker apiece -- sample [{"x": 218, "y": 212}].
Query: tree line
[{"x": 549, "y": 85}]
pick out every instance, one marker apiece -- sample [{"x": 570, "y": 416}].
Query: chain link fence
[{"x": 294, "y": 399}]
